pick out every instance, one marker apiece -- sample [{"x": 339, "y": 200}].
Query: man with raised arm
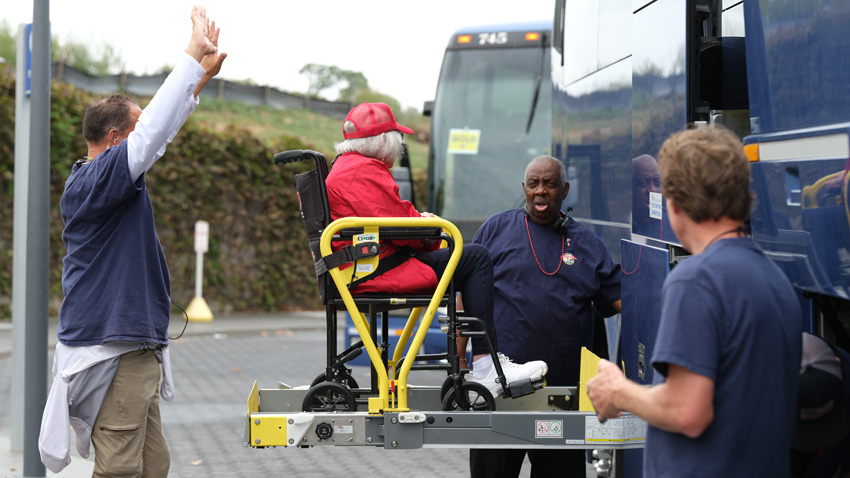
[
  {"x": 727, "y": 354},
  {"x": 113, "y": 324}
]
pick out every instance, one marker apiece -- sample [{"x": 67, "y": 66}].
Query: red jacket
[{"x": 364, "y": 187}]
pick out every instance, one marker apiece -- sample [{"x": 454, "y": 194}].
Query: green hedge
[{"x": 258, "y": 258}]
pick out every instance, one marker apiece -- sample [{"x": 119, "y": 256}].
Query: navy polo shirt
[
  {"x": 547, "y": 317},
  {"x": 731, "y": 315},
  {"x": 115, "y": 277}
]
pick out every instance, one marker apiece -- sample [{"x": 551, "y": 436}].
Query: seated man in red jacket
[{"x": 360, "y": 184}]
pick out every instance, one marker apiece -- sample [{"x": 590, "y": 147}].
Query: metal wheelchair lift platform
[
  {"x": 532, "y": 421},
  {"x": 391, "y": 413}
]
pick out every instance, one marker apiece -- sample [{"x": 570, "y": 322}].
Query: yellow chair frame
[{"x": 388, "y": 400}]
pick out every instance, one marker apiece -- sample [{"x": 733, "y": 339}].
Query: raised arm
[
  {"x": 212, "y": 62},
  {"x": 175, "y": 99}
]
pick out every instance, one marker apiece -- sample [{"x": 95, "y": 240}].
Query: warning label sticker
[
  {"x": 549, "y": 429},
  {"x": 627, "y": 428}
]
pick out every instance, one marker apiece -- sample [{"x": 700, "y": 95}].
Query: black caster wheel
[
  {"x": 477, "y": 396},
  {"x": 329, "y": 397},
  {"x": 343, "y": 377},
  {"x": 448, "y": 383}
]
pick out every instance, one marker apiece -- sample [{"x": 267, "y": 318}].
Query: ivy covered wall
[{"x": 258, "y": 258}]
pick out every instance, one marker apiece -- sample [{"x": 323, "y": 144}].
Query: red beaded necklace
[{"x": 560, "y": 258}]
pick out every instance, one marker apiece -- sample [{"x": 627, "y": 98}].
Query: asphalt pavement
[
  {"x": 217, "y": 329},
  {"x": 214, "y": 366}
]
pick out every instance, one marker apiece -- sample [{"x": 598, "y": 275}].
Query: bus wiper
[{"x": 536, "y": 88}]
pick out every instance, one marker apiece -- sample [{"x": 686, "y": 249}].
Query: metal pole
[
  {"x": 19, "y": 244},
  {"x": 38, "y": 232},
  {"x": 199, "y": 273}
]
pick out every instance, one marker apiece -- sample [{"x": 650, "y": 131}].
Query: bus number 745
[{"x": 499, "y": 38}]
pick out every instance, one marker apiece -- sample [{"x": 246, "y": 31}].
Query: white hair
[{"x": 385, "y": 146}]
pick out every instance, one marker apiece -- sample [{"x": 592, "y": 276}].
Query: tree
[
  {"x": 75, "y": 53},
  {"x": 321, "y": 77},
  {"x": 83, "y": 57},
  {"x": 355, "y": 84},
  {"x": 7, "y": 43}
]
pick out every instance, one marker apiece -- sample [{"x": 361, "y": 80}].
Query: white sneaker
[{"x": 484, "y": 372}]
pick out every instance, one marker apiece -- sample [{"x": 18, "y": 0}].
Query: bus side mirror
[{"x": 427, "y": 108}]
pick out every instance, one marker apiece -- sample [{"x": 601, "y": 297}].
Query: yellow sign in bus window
[{"x": 464, "y": 141}]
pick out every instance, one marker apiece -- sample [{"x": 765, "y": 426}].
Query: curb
[{"x": 235, "y": 324}]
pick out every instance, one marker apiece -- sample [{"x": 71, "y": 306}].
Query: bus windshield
[{"x": 480, "y": 136}]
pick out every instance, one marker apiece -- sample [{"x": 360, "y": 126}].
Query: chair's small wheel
[
  {"x": 329, "y": 397},
  {"x": 343, "y": 377},
  {"x": 448, "y": 383},
  {"x": 478, "y": 397}
]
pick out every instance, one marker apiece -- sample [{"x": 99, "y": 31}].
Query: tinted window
[
  {"x": 797, "y": 59},
  {"x": 658, "y": 96},
  {"x": 488, "y": 94}
]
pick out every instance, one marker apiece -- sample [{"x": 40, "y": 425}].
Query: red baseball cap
[{"x": 372, "y": 119}]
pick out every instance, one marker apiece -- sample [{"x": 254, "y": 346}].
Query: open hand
[
  {"x": 200, "y": 44},
  {"x": 212, "y": 62}
]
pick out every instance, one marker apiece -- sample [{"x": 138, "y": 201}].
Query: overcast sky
[{"x": 397, "y": 45}]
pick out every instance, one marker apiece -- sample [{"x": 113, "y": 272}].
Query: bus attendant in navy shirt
[
  {"x": 728, "y": 346},
  {"x": 113, "y": 324},
  {"x": 548, "y": 270}
]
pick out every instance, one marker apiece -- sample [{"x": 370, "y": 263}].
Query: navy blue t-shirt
[
  {"x": 543, "y": 317},
  {"x": 731, "y": 315},
  {"x": 115, "y": 278}
]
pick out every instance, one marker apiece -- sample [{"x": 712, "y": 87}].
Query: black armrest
[{"x": 395, "y": 233}]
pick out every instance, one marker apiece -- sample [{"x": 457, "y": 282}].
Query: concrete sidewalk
[
  {"x": 11, "y": 462},
  {"x": 231, "y": 324}
]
